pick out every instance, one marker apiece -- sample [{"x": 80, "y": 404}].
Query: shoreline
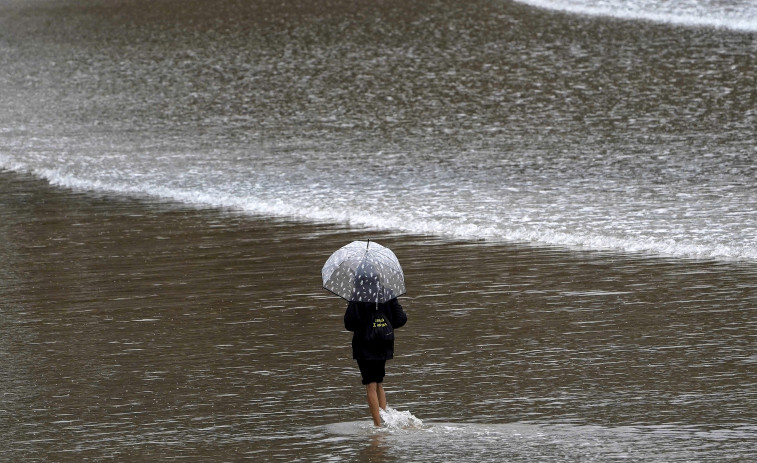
[{"x": 150, "y": 201}]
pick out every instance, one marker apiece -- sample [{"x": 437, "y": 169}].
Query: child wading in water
[{"x": 372, "y": 354}]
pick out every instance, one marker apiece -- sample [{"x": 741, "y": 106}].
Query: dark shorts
[{"x": 372, "y": 371}]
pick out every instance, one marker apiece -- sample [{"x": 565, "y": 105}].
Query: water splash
[{"x": 394, "y": 420}]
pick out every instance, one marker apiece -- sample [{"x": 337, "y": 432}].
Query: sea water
[
  {"x": 527, "y": 442},
  {"x": 576, "y": 190},
  {"x": 484, "y": 121}
]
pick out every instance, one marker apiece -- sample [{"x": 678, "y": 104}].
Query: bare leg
[
  {"x": 381, "y": 396},
  {"x": 373, "y": 402}
]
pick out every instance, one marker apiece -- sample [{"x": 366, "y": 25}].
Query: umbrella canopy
[{"x": 364, "y": 271}]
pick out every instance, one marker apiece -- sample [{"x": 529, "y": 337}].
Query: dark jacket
[{"x": 357, "y": 319}]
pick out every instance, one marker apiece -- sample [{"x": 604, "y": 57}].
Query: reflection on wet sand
[{"x": 375, "y": 450}]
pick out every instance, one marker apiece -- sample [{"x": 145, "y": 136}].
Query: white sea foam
[
  {"x": 737, "y": 15},
  {"x": 405, "y": 212}
]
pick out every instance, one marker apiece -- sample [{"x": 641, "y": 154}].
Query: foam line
[
  {"x": 403, "y": 221},
  {"x": 741, "y": 23}
]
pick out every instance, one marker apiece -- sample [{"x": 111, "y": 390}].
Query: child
[{"x": 371, "y": 355}]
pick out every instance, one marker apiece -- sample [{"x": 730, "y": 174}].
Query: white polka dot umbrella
[{"x": 364, "y": 271}]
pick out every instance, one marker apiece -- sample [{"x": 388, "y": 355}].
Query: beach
[
  {"x": 136, "y": 330},
  {"x": 570, "y": 192}
]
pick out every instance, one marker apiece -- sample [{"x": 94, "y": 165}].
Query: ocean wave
[
  {"x": 407, "y": 220},
  {"x": 691, "y": 15}
]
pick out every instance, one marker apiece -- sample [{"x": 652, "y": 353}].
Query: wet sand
[{"x": 134, "y": 330}]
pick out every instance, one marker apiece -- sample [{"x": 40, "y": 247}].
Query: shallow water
[{"x": 136, "y": 330}]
